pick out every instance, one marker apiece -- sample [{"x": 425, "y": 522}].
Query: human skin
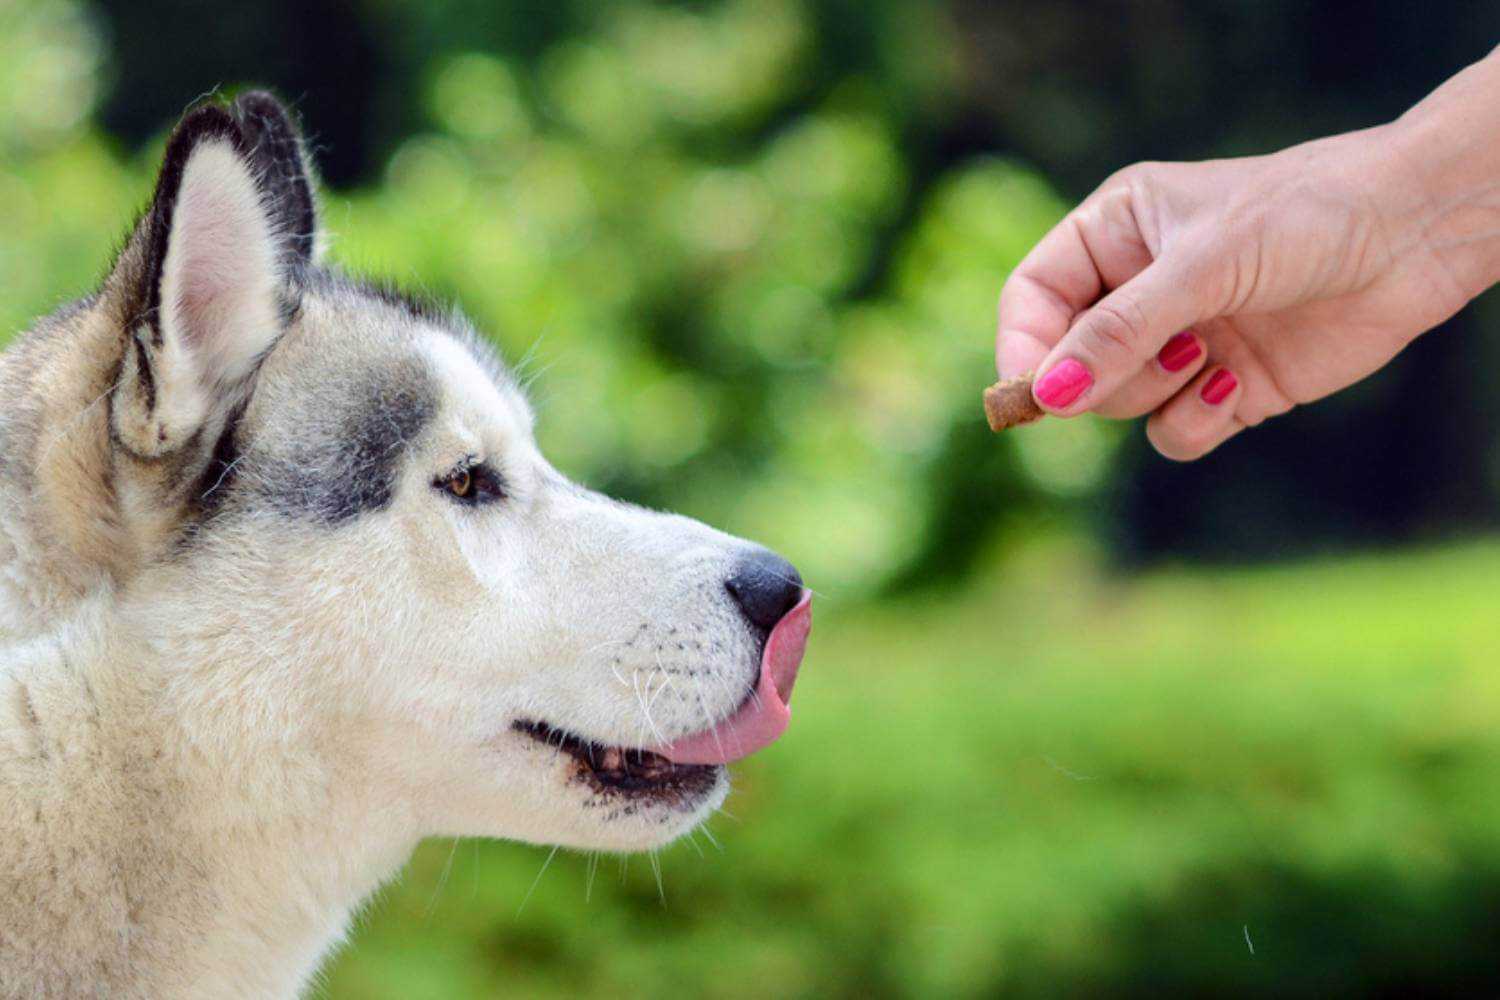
[{"x": 1217, "y": 294}]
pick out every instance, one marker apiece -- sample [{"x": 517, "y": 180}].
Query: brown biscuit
[{"x": 1008, "y": 403}]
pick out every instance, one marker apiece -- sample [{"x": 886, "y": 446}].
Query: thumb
[{"x": 1114, "y": 338}]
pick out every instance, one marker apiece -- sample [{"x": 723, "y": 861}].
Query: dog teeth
[{"x": 617, "y": 765}]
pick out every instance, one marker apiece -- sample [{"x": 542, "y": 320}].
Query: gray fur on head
[{"x": 287, "y": 585}]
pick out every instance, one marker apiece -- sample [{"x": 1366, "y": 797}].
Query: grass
[{"x": 1277, "y": 781}]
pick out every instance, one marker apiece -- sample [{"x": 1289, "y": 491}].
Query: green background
[{"x": 1074, "y": 720}]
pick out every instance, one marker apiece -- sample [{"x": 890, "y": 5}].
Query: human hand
[{"x": 1215, "y": 295}]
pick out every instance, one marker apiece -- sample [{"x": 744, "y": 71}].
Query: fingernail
[
  {"x": 1218, "y": 387},
  {"x": 1179, "y": 352},
  {"x": 1063, "y": 383}
]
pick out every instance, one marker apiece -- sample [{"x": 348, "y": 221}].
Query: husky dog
[{"x": 285, "y": 586}]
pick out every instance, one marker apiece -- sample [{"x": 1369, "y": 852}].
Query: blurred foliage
[
  {"x": 747, "y": 252},
  {"x": 740, "y": 312},
  {"x": 1276, "y": 782},
  {"x": 763, "y": 238}
]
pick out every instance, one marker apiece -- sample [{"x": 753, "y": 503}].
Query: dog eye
[{"x": 473, "y": 484}]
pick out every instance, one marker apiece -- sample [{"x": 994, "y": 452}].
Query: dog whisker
[
  {"x": 223, "y": 475},
  {"x": 442, "y": 881},
  {"x": 786, "y": 579},
  {"x": 712, "y": 723},
  {"x": 537, "y": 881},
  {"x": 68, "y": 427},
  {"x": 661, "y": 890},
  {"x": 666, "y": 683},
  {"x": 593, "y": 869},
  {"x": 692, "y": 840}
]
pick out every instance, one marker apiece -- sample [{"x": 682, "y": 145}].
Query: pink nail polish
[
  {"x": 1218, "y": 387},
  {"x": 1063, "y": 383},
  {"x": 1179, "y": 352}
]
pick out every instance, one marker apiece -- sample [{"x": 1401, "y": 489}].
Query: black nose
[{"x": 766, "y": 587}]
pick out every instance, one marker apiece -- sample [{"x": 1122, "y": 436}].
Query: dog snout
[{"x": 766, "y": 587}]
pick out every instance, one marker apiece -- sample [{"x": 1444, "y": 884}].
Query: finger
[
  {"x": 1199, "y": 418},
  {"x": 1095, "y": 248},
  {"x": 1182, "y": 357},
  {"x": 1111, "y": 341},
  {"x": 1047, "y": 289}
]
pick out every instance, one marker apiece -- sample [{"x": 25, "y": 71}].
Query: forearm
[{"x": 1450, "y": 143}]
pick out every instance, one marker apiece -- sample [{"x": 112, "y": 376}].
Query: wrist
[{"x": 1446, "y": 152}]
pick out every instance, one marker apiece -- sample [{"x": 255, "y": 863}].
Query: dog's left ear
[{"x": 210, "y": 275}]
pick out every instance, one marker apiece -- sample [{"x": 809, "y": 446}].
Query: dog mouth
[
  {"x": 762, "y": 718},
  {"x": 626, "y": 771},
  {"x": 689, "y": 768}
]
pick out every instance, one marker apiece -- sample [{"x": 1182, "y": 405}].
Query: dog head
[{"x": 348, "y": 536}]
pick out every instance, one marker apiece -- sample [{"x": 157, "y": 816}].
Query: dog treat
[{"x": 1008, "y": 403}]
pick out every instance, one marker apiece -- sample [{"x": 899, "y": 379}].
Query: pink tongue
[{"x": 765, "y": 716}]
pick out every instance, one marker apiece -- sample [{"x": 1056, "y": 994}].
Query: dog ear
[
  {"x": 282, "y": 167},
  {"x": 209, "y": 274}
]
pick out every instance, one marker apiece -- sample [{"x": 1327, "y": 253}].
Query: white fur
[{"x": 212, "y": 749}]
